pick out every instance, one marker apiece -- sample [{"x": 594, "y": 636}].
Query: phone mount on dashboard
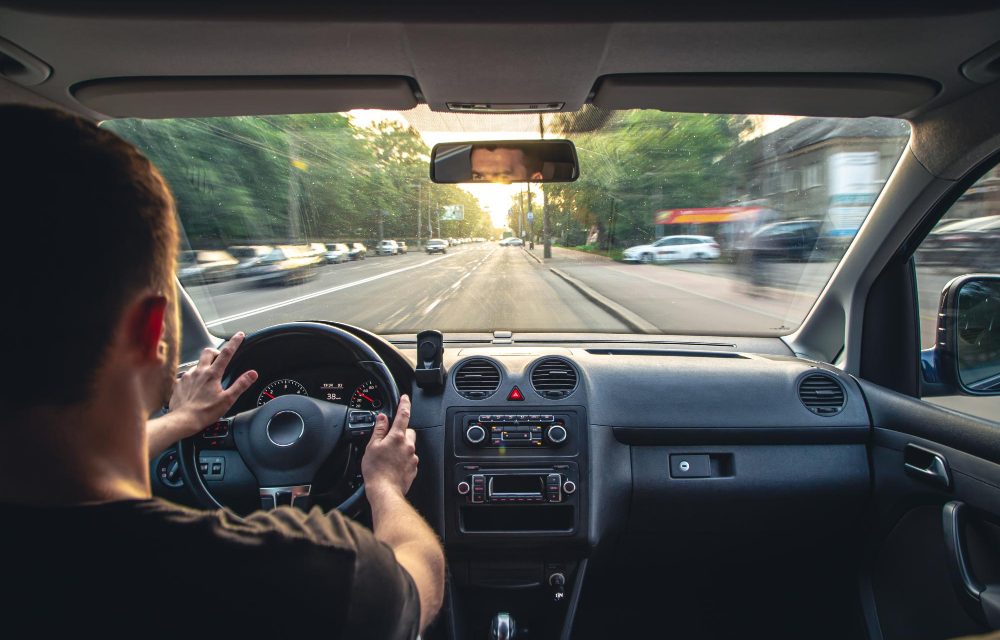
[{"x": 430, "y": 373}]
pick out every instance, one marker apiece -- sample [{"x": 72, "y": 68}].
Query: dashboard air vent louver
[
  {"x": 553, "y": 378},
  {"x": 477, "y": 379},
  {"x": 822, "y": 394}
]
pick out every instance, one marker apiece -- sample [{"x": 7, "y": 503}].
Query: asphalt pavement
[{"x": 472, "y": 288}]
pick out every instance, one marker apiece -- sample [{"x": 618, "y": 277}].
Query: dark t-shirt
[{"x": 149, "y": 568}]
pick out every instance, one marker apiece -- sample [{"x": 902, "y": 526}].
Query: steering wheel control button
[
  {"x": 475, "y": 434},
  {"x": 285, "y": 428},
  {"x": 463, "y": 488},
  {"x": 556, "y": 434},
  {"x": 695, "y": 465},
  {"x": 218, "y": 430},
  {"x": 212, "y": 467}
]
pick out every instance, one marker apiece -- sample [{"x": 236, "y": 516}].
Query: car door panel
[{"x": 909, "y": 567}]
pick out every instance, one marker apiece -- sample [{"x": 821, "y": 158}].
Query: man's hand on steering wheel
[
  {"x": 390, "y": 461},
  {"x": 198, "y": 399}
]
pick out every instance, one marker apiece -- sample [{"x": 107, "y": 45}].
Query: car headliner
[{"x": 502, "y": 56}]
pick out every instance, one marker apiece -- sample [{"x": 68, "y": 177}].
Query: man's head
[
  {"x": 92, "y": 242},
  {"x": 494, "y": 163}
]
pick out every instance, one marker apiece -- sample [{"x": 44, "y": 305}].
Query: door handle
[
  {"x": 982, "y": 602},
  {"x": 926, "y": 464}
]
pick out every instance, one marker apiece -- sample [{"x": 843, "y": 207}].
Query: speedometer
[
  {"x": 368, "y": 396},
  {"x": 283, "y": 387}
]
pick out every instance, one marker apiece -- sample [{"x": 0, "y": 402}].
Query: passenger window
[{"x": 965, "y": 240}]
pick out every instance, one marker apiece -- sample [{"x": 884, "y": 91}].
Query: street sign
[
  {"x": 453, "y": 212},
  {"x": 531, "y": 216}
]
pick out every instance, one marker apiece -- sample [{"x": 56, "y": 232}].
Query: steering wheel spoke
[{"x": 296, "y": 495}]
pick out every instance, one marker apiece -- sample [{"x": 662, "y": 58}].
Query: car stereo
[{"x": 517, "y": 486}]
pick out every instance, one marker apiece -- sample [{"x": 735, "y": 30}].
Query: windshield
[{"x": 767, "y": 204}]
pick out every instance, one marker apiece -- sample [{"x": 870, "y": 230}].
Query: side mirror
[
  {"x": 966, "y": 354},
  {"x": 504, "y": 162}
]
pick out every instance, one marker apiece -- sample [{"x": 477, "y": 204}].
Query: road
[
  {"x": 484, "y": 287},
  {"x": 472, "y": 288}
]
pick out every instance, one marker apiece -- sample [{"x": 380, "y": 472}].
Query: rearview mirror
[
  {"x": 966, "y": 355},
  {"x": 504, "y": 162}
]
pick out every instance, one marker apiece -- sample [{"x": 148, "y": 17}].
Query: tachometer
[
  {"x": 367, "y": 396},
  {"x": 283, "y": 387}
]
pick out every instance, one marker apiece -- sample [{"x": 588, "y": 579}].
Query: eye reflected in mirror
[
  {"x": 977, "y": 340},
  {"x": 504, "y": 162}
]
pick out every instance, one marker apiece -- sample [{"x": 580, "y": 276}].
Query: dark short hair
[{"x": 89, "y": 223}]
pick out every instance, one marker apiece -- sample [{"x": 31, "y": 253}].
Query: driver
[
  {"x": 92, "y": 330},
  {"x": 496, "y": 163}
]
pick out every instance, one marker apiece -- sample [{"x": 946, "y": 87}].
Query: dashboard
[
  {"x": 340, "y": 384},
  {"x": 545, "y": 454}
]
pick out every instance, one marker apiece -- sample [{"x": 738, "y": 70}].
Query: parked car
[
  {"x": 387, "y": 248},
  {"x": 402, "y": 246},
  {"x": 316, "y": 249},
  {"x": 204, "y": 267},
  {"x": 248, "y": 256},
  {"x": 358, "y": 251},
  {"x": 511, "y": 242},
  {"x": 674, "y": 248},
  {"x": 791, "y": 240},
  {"x": 436, "y": 245},
  {"x": 288, "y": 264},
  {"x": 973, "y": 242},
  {"x": 337, "y": 252}
]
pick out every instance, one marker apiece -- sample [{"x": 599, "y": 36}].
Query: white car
[
  {"x": 673, "y": 248},
  {"x": 512, "y": 242},
  {"x": 387, "y": 248}
]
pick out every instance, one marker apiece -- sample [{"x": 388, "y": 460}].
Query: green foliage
[
  {"x": 639, "y": 162},
  {"x": 298, "y": 178}
]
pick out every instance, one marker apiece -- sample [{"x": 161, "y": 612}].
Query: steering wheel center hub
[{"x": 285, "y": 428}]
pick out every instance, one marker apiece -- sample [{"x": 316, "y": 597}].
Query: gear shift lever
[{"x": 502, "y": 627}]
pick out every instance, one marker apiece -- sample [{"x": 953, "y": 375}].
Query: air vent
[
  {"x": 477, "y": 379},
  {"x": 821, "y": 394},
  {"x": 553, "y": 378}
]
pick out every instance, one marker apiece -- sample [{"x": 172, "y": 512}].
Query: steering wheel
[{"x": 285, "y": 442}]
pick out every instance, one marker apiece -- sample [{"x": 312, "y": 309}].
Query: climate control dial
[
  {"x": 475, "y": 434},
  {"x": 556, "y": 434}
]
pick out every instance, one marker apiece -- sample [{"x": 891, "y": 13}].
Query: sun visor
[
  {"x": 844, "y": 95},
  {"x": 234, "y": 96}
]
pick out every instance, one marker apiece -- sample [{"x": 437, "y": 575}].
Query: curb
[
  {"x": 533, "y": 256},
  {"x": 631, "y": 320}
]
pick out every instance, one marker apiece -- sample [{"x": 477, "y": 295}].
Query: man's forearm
[
  {"x": 396, "y": 523},
  {"x": 162, "y": 432}
]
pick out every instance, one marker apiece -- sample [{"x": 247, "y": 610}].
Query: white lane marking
[
  {"x": 431, "y": 306},
  {"x": 317, "y": 294}
]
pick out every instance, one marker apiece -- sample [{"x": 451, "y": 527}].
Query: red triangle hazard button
[{"x": 515, "y": 394}]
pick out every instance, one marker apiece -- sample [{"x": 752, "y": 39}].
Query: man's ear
[{"x": 145, "y": 327}]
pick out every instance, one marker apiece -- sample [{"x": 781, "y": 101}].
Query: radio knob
[
  {"x": 556, "y": 434},
  {"x": 569, "y": 487},
  {"x": 475, "y": 434},
  {"x": 463, "y": 487}
]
